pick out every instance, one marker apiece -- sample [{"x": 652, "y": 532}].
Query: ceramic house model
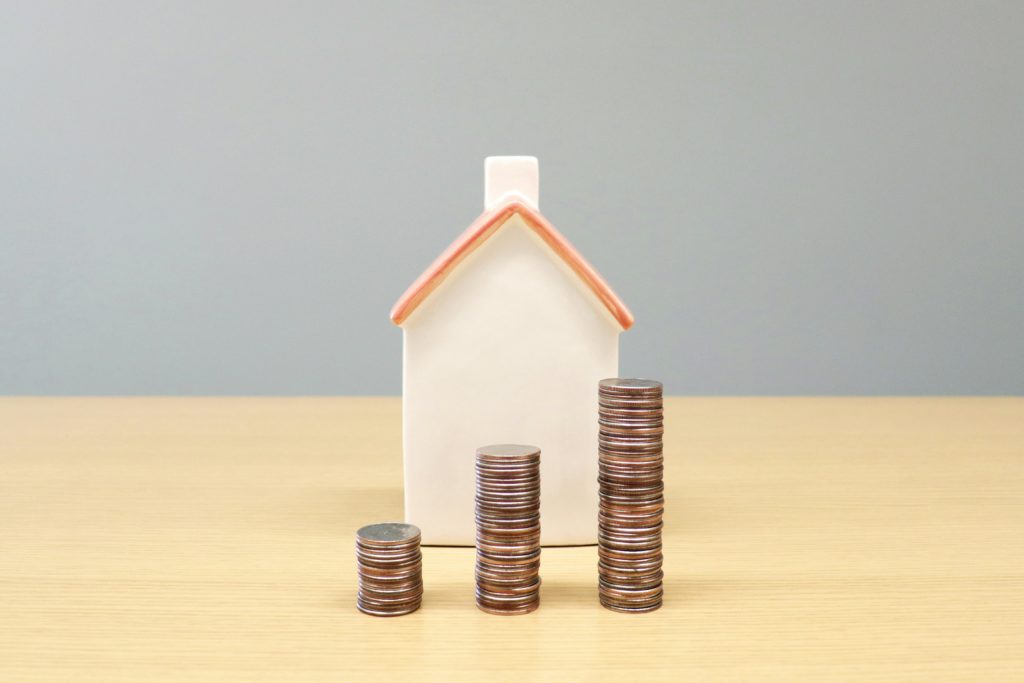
[{"x": 506, "y": 336}]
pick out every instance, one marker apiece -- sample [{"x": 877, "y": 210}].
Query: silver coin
[
  {"x": 507, "y": 450},
  {"x": 388, "y": 532},
  {"x": 628, "y": 384}
]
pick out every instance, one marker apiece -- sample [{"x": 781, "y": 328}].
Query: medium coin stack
[
  {"x": 389, "y": 564},
  {"x": 508, "y": 528},
  {"x": 632, "y": 500}
]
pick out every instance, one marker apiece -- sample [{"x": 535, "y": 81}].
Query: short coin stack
[
  {"x": 508, "y": 528},
  {"x": 632, "y": 500},
  {"x": 389, "y": 563}
]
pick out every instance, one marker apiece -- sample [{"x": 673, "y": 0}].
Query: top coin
[
  {"x": 632, "y": 386},
  {"x": 389, "y": 532},
  {"x": 508, "y": 450}
]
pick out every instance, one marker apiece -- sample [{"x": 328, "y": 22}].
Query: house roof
[{"x": 476, "y": 234}]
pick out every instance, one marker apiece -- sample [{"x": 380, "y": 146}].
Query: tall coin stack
[
  {"x": 389, "y": 564},
  {"x": 632, "y": 500},
  {"x": 508, "y": 528}
]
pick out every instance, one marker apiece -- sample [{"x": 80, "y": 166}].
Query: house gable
[
  {"x": 480, "y": 232},
  {"x": 512, "y": 281}
]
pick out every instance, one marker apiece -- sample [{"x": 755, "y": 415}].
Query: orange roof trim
[{"x": 477, "y": 233}]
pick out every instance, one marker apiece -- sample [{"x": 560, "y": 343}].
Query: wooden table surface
[{"x": 148, "y": 539}]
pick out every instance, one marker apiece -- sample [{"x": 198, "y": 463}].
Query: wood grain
[{"x": 149, "y": 539}]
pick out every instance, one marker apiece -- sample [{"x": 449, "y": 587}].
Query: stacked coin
[
  {"x": 389, "y": 563},
  {"x": 508, "y": 528},
  {"x": 632, "y": 500}
]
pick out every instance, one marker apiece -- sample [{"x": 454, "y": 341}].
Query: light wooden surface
[{"x": 211, "y": 539}]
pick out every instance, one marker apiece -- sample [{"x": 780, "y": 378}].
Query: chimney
[{"x": 507, "y": 178}]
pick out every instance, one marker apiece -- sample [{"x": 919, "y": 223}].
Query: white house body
[{"x": 505, "y": 339}]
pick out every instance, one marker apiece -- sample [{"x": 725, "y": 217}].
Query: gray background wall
[{"x": 794, "y": 197}]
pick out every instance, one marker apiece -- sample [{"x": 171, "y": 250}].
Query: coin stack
[
  {"x": 632, "y": 500},
  {"x": 508, "y": 528},
  {"x": 389, "y": 564}
]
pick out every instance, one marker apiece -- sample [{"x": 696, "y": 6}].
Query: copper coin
[
  {"x": 508, "y": 610},
  {"x": 634, "y": 414},
  {"x": 412, "y": 607}
]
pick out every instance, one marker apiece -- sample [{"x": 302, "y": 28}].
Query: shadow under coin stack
[
  {"x": 508, "y": 528},
  {"x": 389, "y": 563},
  {"x": 632, "y": 500}
]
